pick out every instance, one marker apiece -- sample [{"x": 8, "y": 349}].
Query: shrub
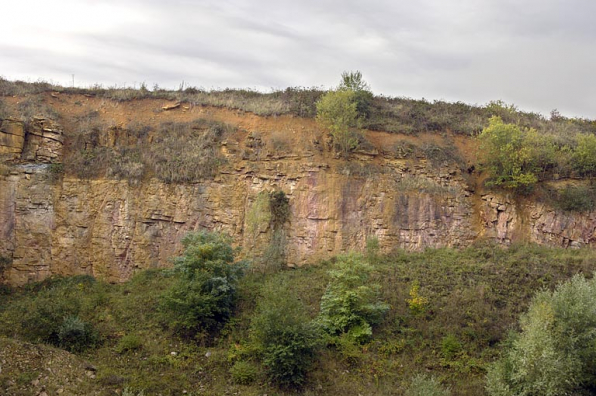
[
  {"x": 555, "y": 352},
  {"x": 244, "y": 372},
  {"x": 505, "y": 156},
  {"x": 584, "y": 156},
  {"x": 351, "y": 303},
  {"x": 416, "y": 302},
  {"x": 422, "y": 385},
  {"x": 128, "y": 343},
  {"x": 76, "y": 335},
  {"x": 284, "y": 336},
  {"x": 576, "y": 199},
  {"x": 203, "y": 299},
  {"x": 363, "y": 97},
  {"x": 337, "y": 111},
  {"x": 450, "y": 346}
]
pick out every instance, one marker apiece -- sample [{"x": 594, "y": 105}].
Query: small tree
[
  {"x": 284, "y": 336},
  {"x": 203, "y": 299},
  {"x": 337, "y": 111},
  {"x": 423, "y": 385},
  {"x": 555, "y": 353},
  {"x": 505, "y": 156},
  {"x": 584, "y": 156},
  {"x": 351, "y": 304},
  {"x": 363, "y": 97}
]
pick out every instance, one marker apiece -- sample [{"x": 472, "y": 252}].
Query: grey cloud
[{"x": 536, "y": 54}]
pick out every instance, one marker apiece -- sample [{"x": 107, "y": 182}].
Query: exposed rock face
[
  {"x": 44, "y": 141},
  {"x": 41, "y": 142},
  {"x": 111, "y": 228},
  {"x": 12, "y": 138}
]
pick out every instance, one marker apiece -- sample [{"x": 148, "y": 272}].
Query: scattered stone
[{"x": 171, "y": 107}]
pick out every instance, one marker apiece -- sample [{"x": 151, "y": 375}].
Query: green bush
[
  {"x": 337, "y": 111},
  {"x": 52, "y": 313},
  {"x": 450, "y": 346},
  {"x": 284, "y": 336},
  {"x": 363, "y": 97},
  {"x": 422, "y": 385},
  {"x": 203, "y": 299},
  {"x": 76, "y": 335},
  {"x": 584, "y": 156},
  {"x": 555, "y": 352},
  {"x": 128, "y": 343},
  {"x": 576, "y": 199},
  {"x": 505, "y": 156},
  {"x": 351, "y": 303},
  {"x": 244, "y": 372}
]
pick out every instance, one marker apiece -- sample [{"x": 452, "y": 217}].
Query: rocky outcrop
[
  {"x": 41, "y": 141},
  {"x": 12, "y": 138},
  {"x": 44, "y": 141},
  {"x": 111, "y": 228}
]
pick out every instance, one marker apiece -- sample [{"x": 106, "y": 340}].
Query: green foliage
[
  {"x": 417, "y": 303},
  {"x": 477, "y": 294},
  {"x": 505, "y": 156},
  {"x": 351, "y": 303},
  {"x": 284, "y": 336},
  {"x": 279, "y": 204},
  {"x": 576, "y": 199},
  {"x": 343, "y": 111},
  {"x": 423, "y": 385},
  {"x": 244, "y": 372},
  {"x": 337, "y": 111},
  {"x": 76, "y": 335},
  {"x": 203, "y": 298},
  {"x": 555, "y": 352},
  {"x": 372, "y": 250},
  {"x": 584, "y": 156},
  {"x": 450, "y": 346},
  {"x": 129, "y": 343},
  {"x": 353, "y": 81},
  {"x": 53, "y": 316}
]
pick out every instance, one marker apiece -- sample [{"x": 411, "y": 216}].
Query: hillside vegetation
[
  {"x": 436, "y": 322},
  {"x": 441, "y": 313}
]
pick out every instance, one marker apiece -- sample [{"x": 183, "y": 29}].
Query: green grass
[{"x": 475, "y": 296}]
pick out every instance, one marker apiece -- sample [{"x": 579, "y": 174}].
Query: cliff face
[{"x": 52, "y": 223}]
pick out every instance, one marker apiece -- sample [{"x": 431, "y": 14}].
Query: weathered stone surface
[
  {"x": 112, "y": 228},
  {"x": 44, "y": 141},
  {"x": 12, "y": 138}
]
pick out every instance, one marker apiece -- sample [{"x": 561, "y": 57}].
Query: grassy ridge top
[{"x": 391, "y": 114}]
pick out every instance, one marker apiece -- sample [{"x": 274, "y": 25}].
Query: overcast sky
[{"x": 538, "y": 54}]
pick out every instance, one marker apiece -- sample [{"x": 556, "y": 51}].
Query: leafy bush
[
  {"x": 53, "y": 314},
  {"x": 284, "y": 336},
  {"x": 576, "y": 199},
  {"x": 556, "y": 350},
  {"x": 422, "y": 385},
  {"x": 76, "y": 335},
  {"x": 351, "y": 303},
  {"x": 129, "y": 342},
  {"x": 244, "y": 372},
  {"x": 450, "y": 346},
  {"x": 363, "y": 97},
  {"x": 416, "y": 302},
  {"x": 203, "y": 299},
  {"x": 337, "y": 111},
  {"x": 505, "y": 156},
  {"x": 584, "y": 156}
]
